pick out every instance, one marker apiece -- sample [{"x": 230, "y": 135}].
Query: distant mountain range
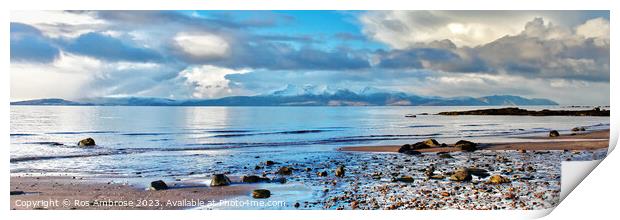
[{"x": 306, "y": 96}]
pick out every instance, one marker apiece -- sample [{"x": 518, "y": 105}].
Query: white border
[{"x": 599, "y": 176}]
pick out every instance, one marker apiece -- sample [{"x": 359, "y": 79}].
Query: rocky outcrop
[
  {"x": 518, "y": 111},
  {"x": 411, "y": 149},
  {"x": 219, "y": 180},
  {"x": 88, "y": 142},
  {"x": 261, "y": 194}
]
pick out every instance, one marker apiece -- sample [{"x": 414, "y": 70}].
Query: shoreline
[
  {"x": 582, "y": 141},
  {"x": 94, "y": 193},
  {"x": 84, "y": 191}
]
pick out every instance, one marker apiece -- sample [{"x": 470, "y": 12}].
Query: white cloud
[
  {"x": 66, "y": 77},
  {"x": 597, "y": 28},
  {"x": 59, "y": 23},
  {"x": 404, "y": 29},
  {"x": 209, "y": 81},
  {"x": 203, "y": 45}
]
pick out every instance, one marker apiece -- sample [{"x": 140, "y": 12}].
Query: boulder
[
  {"x": 285, "y": 171},
  {"x": 498, "y": 179},
  {"x": 254, "y": 179},
  {"x": 461, "y": 175},
  {"x": 219, "y": 180},
  {"x": 158, "y": 185},
  {"x": 409, "y": 148},
  {"x": 466, "y": 145},
  {"x": 340, "y": 171},
  {"x": 88, "y": 142},
  {"x": 323, "y": 173},
  {"x": 261, "y": 193},
  {"x": 269, "y": 163},
  {"x": 431, "y": 142},
  {"x": 554, "y": 133}
]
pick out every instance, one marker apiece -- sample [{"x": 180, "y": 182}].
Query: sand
[
  {"x": 582, "y": 141},
  {"x": 82, "y": 194}
]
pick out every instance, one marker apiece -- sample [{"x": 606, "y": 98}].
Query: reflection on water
[{"x": 161, "y": 140}]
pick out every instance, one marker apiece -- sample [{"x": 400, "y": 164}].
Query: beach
[
  {"x": 580, "y": 141},
  {"x": 376, "y": 178}
]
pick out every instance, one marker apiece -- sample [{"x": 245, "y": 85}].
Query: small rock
[
  {"x": 498, "y": 179},
  {"x": 254, "y": 179},
  {"x": 219, "y": 180},
  {"x": 324, "y": 173},
  {"x": 269, "y": 163},
  {"x": 466, "y": 145},
  {"x": 14, "y": 193},
  {"x": 158, "y": 185},
  {"x": 296, "y": 205},
  {"x": 340, "y": 171},
  {"x": 445, "y": 156},
  {"x": 285, "y": 171},
  {"x": 554, "y": 133},
  {"x": 261, "y": 193},
  {"x": 88, "y": 142},
  {"x": 406, "y": 179},
  {"x": 461, "y": 175},
  {"x": 478, "y": 172},
  {"x": 354, "y": 204}
]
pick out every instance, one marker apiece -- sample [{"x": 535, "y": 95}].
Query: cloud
[
  {"x": 184, "y": 54},
  {"x": 58, "y": 24},
  {"x": 541, "y": 50},
  {"x": 202, "y": 45},
  {"x": 28, "y": 44},
  {"x": 68, "y": 76},
  {"x": 209, "y": 81},
  {"x": 106, "y": 47}
]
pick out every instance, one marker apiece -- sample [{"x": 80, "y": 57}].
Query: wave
[
  {"x": 145, "y": 134},
  {"x": 270, "y": 133},
  {"x": 425, "y": 126},
  {"x": 229, "y": 131},
  {"x": 478, "y": 125},
  {"x": 21, "y": 134},
  {"x": 83, "y": 132}
]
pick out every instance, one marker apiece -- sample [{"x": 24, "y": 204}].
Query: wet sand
[
  {"x": 82, "y": 194},
  {"x": 580, "y": 141}
]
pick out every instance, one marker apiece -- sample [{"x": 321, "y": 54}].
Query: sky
[{"x": 559, "y": 55}]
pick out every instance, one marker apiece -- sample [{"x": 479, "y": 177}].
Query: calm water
[{"x": 171, "y": 141}]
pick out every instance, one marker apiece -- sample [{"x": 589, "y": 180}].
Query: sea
[{"x": 168, "y": 142}]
